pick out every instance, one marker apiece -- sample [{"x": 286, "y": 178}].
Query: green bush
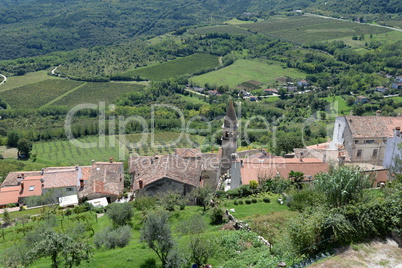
[
  {"x": 235, "y": 203},
  {"x": 301, "y": 199},
  {"x": 120, "y": 214},
  {"x": 112, "y": 238},
  {"x": 254, "y": 200},
  {"x": 240, "y": 202},
  {"x": 217, "y": 215},
  {"x": 266, "y": 200},
  {"x": 248, "y": 201}
]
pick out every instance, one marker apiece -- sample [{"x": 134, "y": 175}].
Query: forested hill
[{"x": 37, "y": 27}]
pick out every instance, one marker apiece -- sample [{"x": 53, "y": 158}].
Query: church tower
[{"x": 229, "y": 138}]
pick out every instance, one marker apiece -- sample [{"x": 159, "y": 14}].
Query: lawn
[
  {"x": 244, "y": 70},
  {"x": 29, "y": 78},
  {"x": 193, "y": 99},
  {"x": 305, "y": 29},
  {"x": 339, "y": 105},
  {"x": 249, "y": 211},
  {"x": 106, "y": 92},
  {"x": 181, "y": 66}
]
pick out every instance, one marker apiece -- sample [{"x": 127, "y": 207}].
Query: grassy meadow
[
  {"x": 56, "y": 153},
  {"x": 176, "y": 67},
  {"x": 243, "y": 70}
]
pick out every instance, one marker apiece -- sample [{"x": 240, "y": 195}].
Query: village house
[
  {"x": 102, "y": 179},
  {"x": 381, "y": 89},
  {"x": 365, "y": 138},
  {"x": 361, "y": 99},
  {"x": 397, "y": 85},
  {"x": 302, "y": 83},
  {"x": 270, "y": 91}
]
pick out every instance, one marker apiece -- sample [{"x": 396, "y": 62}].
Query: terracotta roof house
[
  {"x": 155, "y": 174},
  {"x": 29, "y": 186},
  {"x": 361, "y": 99},
  {"x": 270, "y": 91},
  {"x": 106, "y": 179},
  {"x": 100, "y": 179},
  {"x": 261, "y": 166},
  {"x": 365, "y": 137}
]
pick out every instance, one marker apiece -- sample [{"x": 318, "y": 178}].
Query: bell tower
[{"x": 229, "y": 138}]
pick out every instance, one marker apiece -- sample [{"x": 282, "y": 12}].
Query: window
[
  {"x": 359, "y": 154},
  {"x": 69, "y": 189},
  {"x": 375, "y": 151},
  {"x": 31, "y": 188},
  {"x": 356, "y": 141},
  {"x": 369, "y": 141}
]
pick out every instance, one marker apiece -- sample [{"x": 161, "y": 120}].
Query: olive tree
[{"x": 157, "y": 234}]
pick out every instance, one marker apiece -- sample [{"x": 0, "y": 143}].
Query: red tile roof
[
  {"x": 150, "y": 169},
  {"x": 373, "y": 126},
  {"x": 255, "y": 168},
  {"x": 105, "y": 178},
  {"x": 30, "y": 186}
]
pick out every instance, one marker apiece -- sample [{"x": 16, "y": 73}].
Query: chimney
[
  {"x": 141, "y": 184},
  {"x": 81, "y": 183},
  {"x": 23, "y": 176},
  {"x": 378, "y": 113},
  {"x": 22, "y": 186},
  {"x": 76, "y": 167},
  {"x": 398, "y": 131},
  {"x": 111, "y": 159},
  {"x": 241, "y": 162},
  {"x": 43, "y": 171},
  {"x": 93, "y": 162},
  {"x": 19, "y": 179},
  {"x": 301, "y": 156},
  {"x": 264, "y": 152}
]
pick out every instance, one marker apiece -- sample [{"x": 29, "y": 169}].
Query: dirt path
[
  {"x": 4, "y": 79},
  {"x": 376, "y": 254}
]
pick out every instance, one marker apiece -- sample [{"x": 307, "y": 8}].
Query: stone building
[{"x": 364, "y": 138}]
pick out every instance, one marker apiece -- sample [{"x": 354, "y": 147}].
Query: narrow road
[
  {"x": 4, "y": 79},
  {"x": 375, "y": 25},
  {"x": 54, "y": 70}
]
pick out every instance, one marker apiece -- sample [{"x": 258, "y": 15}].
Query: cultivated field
[
  {"x": 97, "y": 92},
  {"x": 29, "y": 78},
  {"x": 181, "y": 66},
  {"x": 35, "y": 95},
  {"x": 245, "y": 70},
  {"x": 305, "y": 29},
  {"x": 229, "y": 29},
  {"x": 66, "y": 153}
]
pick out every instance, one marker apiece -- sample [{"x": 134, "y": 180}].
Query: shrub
[
  {"x": 112, "y": 238},
  {"x": 217, "y": 215},
  {"x": 266, "y": 200},
  {"x": 144, "y": 203},
  {"x": 254, "y": 200},
  {"x": 240, "y": 202},
  {"x": 253, "y": 184},
  {"x": 120, "y": 214},
  {"x": 248, "y": 201},
  {"x": 235, "y": 203}
]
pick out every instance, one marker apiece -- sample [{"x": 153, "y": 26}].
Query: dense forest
[{"x": 31, "y": 28}]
